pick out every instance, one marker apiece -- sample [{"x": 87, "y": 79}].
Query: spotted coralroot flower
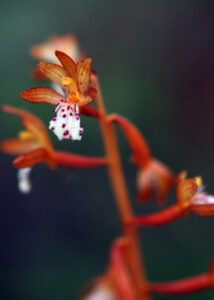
[
  {"x": 32, "y": 146},
  {"x": 74, "y": 79},
  {"x": 116, "y": 283},
  {"x": 190, "y": 195},
  {"x": 154, "y": 179}
]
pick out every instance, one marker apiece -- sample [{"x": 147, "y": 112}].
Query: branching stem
[{"x": 119, "y": 188}]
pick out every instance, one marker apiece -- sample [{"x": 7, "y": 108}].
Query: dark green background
[{"x": 155, "y": 62}]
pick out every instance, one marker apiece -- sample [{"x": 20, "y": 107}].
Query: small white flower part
[
  {"x": 66, "y": 123},
  {"x": 203, "y": 199},
  {"x": 101, "y": 292},
  {"x": 57, "y": 88},
  {"x": 24, "y": 183}
]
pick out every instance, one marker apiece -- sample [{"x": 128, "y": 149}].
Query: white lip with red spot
[{"x": 66, "y": 123}]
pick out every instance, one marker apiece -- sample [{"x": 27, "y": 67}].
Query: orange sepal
[
  {"x": 83, "y": 74},
  {"x": 155, "y": 179},
  {"x": 15, "y": 146},
  {"x": 31, "y": 159},
  {"x": 186, "y": 189},
  {"x": 41, "y": 95},
  {"x": 32, "y": 124},
  {"x": 68, "y": 64},
  {"x": 139, "y": 147},
  {"x": 52, "y": 71}
]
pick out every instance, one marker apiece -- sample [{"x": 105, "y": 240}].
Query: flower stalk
[
  {"x": 119, "y": 188},
  {"x": 184, "y": 286}
]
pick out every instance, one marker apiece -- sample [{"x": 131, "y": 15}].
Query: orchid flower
[
  {"x": 33, "y": 146},
  {"x": 74, "y": 79},
  {"x": 190, "y": 195},
  {"x": 153, "y": 178}
]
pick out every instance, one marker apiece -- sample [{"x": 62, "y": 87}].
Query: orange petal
[
  {"x": 31, "y": 159},
  {"x": 84, "y": 75},
  {"x": 135, "y": 139},
  {"x": 17, "y": 146},
  {"x": 41, "y": 95},
  {"x": 32, "y": 124},
  {"x": 68, "y": 64},
  {"x": 186, "y": 189},
  {"x": 39, "y": 132},
  {"x": 52, "y": 71}
]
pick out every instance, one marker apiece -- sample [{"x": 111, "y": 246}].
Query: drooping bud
[{"x": 24, "y": 183}]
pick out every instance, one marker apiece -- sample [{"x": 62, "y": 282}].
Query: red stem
[
  {"x": 183, "y": 286},
  {"x": 77, "y": 161},
  {"x": 161, "y": 218}
]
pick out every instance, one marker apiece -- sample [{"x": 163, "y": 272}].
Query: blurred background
[{"x": 156, "y": 67}]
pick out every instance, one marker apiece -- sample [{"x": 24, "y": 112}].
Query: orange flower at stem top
[
  {"x": 74, "y": 79},
  {"x": 153, "y": 178},
  {"x": 190, "y": 197},
  {"x": 33, "y": 146}
]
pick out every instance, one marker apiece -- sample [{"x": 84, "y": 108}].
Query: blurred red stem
[
  {"x": 119, "y": 188},
  {"x": 161, "y": 218},
  {"x": 77, "y": 161},
  {"x": 183, "y": 286}
]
